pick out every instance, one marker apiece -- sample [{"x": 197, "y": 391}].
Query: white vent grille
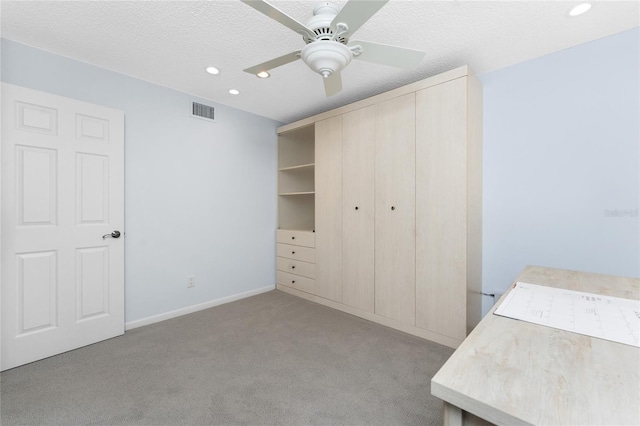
[
  {"x": 325, "y": 33},
  {"x": 203, "y": 111}
]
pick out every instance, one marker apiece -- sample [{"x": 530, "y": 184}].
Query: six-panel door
[{"x": 62, "y": 190}]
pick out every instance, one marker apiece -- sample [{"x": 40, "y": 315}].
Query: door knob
[{"x": 114, "y": 234}]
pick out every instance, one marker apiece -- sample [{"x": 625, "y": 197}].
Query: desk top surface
[{"x": 514, "y": 372}]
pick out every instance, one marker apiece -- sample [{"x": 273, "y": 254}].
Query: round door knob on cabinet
[
  {"x": 293, "y": 238},
  {"x": 393, "y": 207},
  {"x": 293, "y": 252},
  {"x": 293, "y": 266},
  {"x": 293, "y": 281},
  {"x": 356, "y": 207}
]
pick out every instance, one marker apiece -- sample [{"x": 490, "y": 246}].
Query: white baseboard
[{"x": 195, "y": 308}]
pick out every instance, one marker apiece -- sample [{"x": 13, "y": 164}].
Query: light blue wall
[
  {"x": 199, "y": 196},
  {"x": 561, "y": 156}
]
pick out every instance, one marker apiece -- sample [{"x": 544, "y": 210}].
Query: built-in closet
[{"x": 379, "y": 207}]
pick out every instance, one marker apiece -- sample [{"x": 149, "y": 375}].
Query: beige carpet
[{"x": 272, "y": 359}]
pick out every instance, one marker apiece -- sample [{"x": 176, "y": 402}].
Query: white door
[{"x": 62, "y": 191}]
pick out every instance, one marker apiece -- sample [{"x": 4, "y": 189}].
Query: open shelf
[
  {"x": 296, "y": 179},
  {"x": 296, "y": 148},
  {"x": 296, "y": 211},
  {"x": 300, "y": 167},
  {"x": 296, "y": 193},
  {"x": 293, "y": 180}
]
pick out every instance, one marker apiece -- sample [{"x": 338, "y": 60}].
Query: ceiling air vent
[{"x": 202, "y": 111}]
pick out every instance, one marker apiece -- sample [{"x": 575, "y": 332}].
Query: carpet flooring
[{"x": 271, "y": 359}]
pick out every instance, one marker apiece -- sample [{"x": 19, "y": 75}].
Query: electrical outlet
[{"x": 191, "y": 281}]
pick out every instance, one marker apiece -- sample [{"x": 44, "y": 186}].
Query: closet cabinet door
[
  {"x": 441, "y": 205},
  {"x": 395, "y": 209},
  {"x": 358, "y": 146},
  {"x": 328, "y": 208}
]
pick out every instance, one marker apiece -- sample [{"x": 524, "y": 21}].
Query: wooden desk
[{"x": 513, "y": 372}]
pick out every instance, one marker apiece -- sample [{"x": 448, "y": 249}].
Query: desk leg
[{"x": 452, "y": 415}]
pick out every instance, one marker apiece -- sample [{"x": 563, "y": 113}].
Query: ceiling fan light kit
[
  {"x": 326, "y": 34},
  {"x": 326, "y": 57}
]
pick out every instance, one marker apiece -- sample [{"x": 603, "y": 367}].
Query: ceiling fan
[{"x": 327, "y": 36}]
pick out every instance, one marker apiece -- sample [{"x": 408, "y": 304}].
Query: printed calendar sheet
[{"x": 605, "y": 317}]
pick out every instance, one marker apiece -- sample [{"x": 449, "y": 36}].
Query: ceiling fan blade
[
  {"x": 333, "y": 84},
  {"x": 394, "y": 56},
  {"x": 355, "y": 13},
  {"x": 274, "y": 63},
  {"x": 277, "y": 15}
]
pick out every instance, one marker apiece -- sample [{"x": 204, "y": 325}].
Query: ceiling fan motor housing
[
  {"x": 320, "y": 23},
  {"x": 326, "y": 56}
]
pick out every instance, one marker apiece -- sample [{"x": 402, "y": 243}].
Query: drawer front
[
  {"x": 296, "y": 281},
  {"x": 299, "y": 238},
  {"x": 297, "y": 267},
  {"x": 305, "y": 254}
]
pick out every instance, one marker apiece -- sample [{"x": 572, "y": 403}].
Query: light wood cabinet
[
  {"x": 297, "y": 238},
  {"x": 328, "y": 153},
  {"x": 396, "y": 194},
  {"x": 448, "y": 179},
  {"x": 304, "y": 254},
  {"x": 358, "y": 195},
  {"x": 306, "y": 269},
  {"x": 293, "y": 281},
  {"x": 395, "y": 209},
  {"x": 294, "y": 265}
]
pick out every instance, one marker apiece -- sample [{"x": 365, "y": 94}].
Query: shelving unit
[
  {"x": 296, "y": 209},
  {"x": 296, "y": 184},
  {"x": 385, "y": 198}
]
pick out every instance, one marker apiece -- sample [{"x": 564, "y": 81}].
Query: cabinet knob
[
  {"x": 393, "y": 207},
  {"x": 293, "y": 281},
  {"x": 293, "y": 252},
  {"x": 293, "y": 238},
  {"x": 356, "y": 207},
  {"x": 293, "y": 266}
]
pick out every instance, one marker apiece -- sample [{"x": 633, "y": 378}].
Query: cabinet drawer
[
  {"x": 299, "y": 238},
  {"x": 296, "y": 281},
  {"x": 305, "y": 269},
  {"x": 305, "y": 254}
]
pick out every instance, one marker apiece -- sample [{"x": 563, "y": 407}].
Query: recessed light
[
  {"x": 580, "y": 9},
  {"x": 212, "y": 70},
  {"x": 234, "y": 92},
  {"x": 263, "y": 74}
]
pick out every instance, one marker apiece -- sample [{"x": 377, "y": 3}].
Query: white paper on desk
[{"x": 605, "y": 317}]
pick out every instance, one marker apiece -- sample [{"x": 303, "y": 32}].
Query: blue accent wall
[{"x": 561, "y": 162}]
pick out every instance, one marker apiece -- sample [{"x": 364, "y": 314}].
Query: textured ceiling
[{"x": 171, "y": 42}]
